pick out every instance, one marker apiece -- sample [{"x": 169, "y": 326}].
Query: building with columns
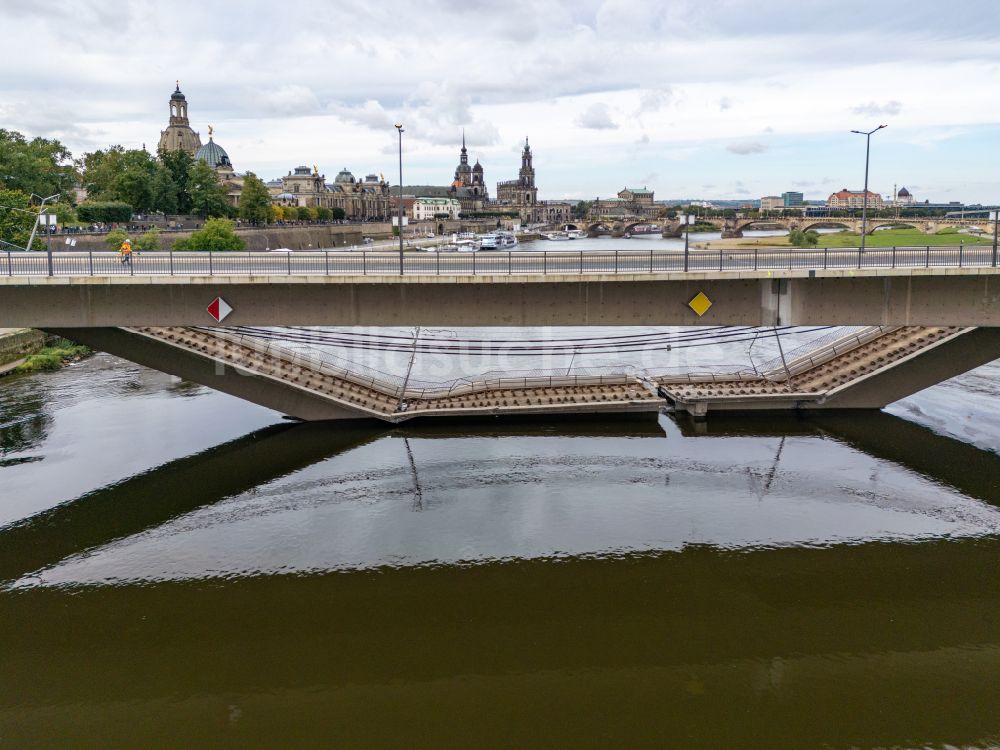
[
  {"x": 179, "y": 136},
  {"x": 366, "y": 198}
]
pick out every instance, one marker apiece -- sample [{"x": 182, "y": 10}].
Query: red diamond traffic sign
[{"x": 219, "y": 309}]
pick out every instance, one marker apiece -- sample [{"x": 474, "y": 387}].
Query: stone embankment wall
[
  {"x": 312, "y": 236},
  {"x": 18, "y": 343}
]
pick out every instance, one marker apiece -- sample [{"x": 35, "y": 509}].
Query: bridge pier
[{"x": 732, "y": 234}]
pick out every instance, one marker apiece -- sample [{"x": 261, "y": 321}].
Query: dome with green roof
[{"x": 214, "y": 155}]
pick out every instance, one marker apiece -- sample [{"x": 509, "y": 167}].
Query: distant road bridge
[{"x": 618, "y": 225}]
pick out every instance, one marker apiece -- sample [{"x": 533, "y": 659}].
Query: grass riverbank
[
  {"x": 53, "y": 357},
  {"x": 883, "y": 238}
]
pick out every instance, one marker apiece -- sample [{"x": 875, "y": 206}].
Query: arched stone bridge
[
  {"x": 618, "y": 226},
  {"x": 735, "y": 227}
]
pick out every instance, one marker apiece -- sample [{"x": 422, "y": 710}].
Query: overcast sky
[{"x": 700, "y": 98}]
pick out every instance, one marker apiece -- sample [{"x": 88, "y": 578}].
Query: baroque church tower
[{"x": 179, "y": 136}]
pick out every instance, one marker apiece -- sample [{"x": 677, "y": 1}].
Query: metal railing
[{"x": 490, "y": 263}]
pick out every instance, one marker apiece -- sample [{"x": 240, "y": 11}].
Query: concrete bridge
[
  {"x": 932, "y": 314},
  {"x": 867, "y": 370}
]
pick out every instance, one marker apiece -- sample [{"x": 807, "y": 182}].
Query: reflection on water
[{"x": 636, "y": 582}]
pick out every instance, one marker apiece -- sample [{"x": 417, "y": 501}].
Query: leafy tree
[
  {"x": 580, "y": 209},
  {"x": 38, "y": 166},
  {"x": 339, "y": 214},
  {"x": 104, "y": 212},
  {"x": 17, "y": 216},
  {"x": 115, "y": 238},
  {"x": 255, "y": 200},
  {"x": 178, "y": 164},
  {"x": 304, "y": 213},
  {"x": 217, "y": 234},
  {"x": 324, "y": 214},
  {"x": 803, "y": 239},
  {"x": 208, "y": 196},
  {"x": 165, "y": 193},
  {"x": 119, "y": 174},
  {"x": 149, "y": 241}
]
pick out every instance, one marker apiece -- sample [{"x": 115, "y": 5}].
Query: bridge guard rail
[{"x": 490, "y": 263}]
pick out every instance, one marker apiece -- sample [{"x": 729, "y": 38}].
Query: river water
[{"x": 182, "y": 569}]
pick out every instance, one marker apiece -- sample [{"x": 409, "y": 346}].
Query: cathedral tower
[{"x": 179, "y": 136}]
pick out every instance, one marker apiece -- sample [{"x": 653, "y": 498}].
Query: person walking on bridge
[{"x": 125, "y": 251}]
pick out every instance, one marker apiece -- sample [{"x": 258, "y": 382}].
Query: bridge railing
[{"x": 490, "y": 263}]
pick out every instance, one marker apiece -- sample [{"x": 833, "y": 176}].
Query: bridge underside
[{"x": 865, "y": 371}]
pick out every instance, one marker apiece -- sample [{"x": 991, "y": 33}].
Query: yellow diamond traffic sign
[{"x": 700, "y": 304}]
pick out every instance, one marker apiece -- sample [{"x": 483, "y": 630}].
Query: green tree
[
  {"x": 178, "y": 163},
  {"x": 580, "y": 209},
  {"x": 165, "y": 194},
  {"x": 115, "y": 238},
  {"x": 119, "y": 174},
  {"x": 255, "y": 200},
  {"x": 38, "y": 166},
  {"x": 217, "y": 234},
  {"x": 149, "y": 241},
  {"x": 304, "y": 213},
  {"x": 17, "y": 216},
  {"x": 339, "y": 214},
  {"x": 208, "y": 196},
  {"x": 104, "y": 212},
  {"x": 324, "y": 214},
  {"x": 803, "y": 239}
]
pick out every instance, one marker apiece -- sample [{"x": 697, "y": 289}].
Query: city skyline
[{"x": 730, "y": 101}]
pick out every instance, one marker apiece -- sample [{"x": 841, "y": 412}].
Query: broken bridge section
[{"x": 865, "y": 370}]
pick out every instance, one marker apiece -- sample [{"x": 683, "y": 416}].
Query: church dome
[
  {"x": 213, "y": 154},
  {"x": 344, "y": 176},
  {"x": 177, "y": 95},
  {"x": 903, "y": 193},
  {"x": 478, "y": 167}
]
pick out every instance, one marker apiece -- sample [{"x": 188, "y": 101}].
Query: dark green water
[{"x": 181, "y": 571}]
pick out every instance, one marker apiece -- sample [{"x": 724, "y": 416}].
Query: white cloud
[
  {"x": 289, "y": 85},
  {"x": 596, "y": 117},
  {"x": 745, "y": 148},
  {"x": 891, "y": 107}
]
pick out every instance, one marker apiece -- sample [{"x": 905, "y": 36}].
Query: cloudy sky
[{"x": 692, "y": 98}]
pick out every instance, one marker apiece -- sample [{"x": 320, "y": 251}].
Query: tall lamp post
[
  {"x": 48, "y": 230},
  {"x": 864, "y": 205},
  {"x": 399, "y": 127}
]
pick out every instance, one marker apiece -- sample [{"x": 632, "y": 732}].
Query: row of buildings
[
  {"x": 842, "y": 199},
  {"x": 369, "y": 197}
]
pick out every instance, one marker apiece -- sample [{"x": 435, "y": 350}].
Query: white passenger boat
[
  {"x": 507, "y": 240},
  {"x": 576, "y": 234},
  {"x": 555, "y": 236},
  {"x": 489, "y": 242}
]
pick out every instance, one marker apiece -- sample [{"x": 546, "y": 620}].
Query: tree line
[{"x": 120, "y": 183}]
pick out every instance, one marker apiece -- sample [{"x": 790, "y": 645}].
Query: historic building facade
[
  {"x": 435, "y": 208},
  {"x": 522, "y": 194},
  {"x": 359, "y": 199},
  {"x": 179, "y": 136},
  {"x": 853, "y": 199},
  {"x": 630, "y": 202},
  {"x": 469, "y": 185}
]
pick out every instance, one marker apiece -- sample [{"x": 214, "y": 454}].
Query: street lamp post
[
  {"x": 864, "y": 205},
  {"x": 48, "y": 231},
  {"x": 399, "y": 127}
]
